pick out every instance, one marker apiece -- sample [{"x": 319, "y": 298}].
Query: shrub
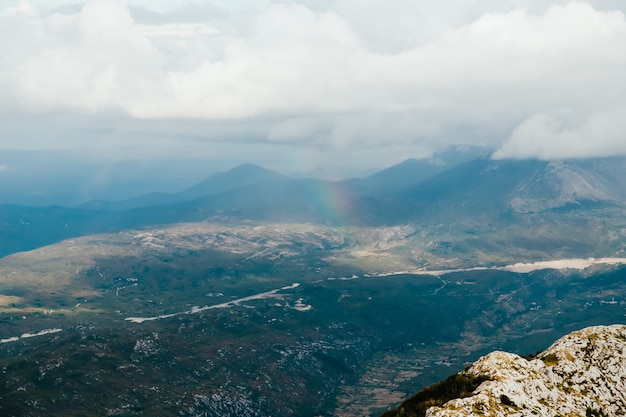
[{"x": 456, "y": 386}]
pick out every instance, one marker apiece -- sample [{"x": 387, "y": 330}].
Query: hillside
[
  {"x": 581, "y": 374},
  {"x": 521, "y": 186}
]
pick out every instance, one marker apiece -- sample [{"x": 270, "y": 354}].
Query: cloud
[
  {"x": 566, "y": 134},
  {"x": 545, "y": 80},
  {"x": 91, "y": 61}
]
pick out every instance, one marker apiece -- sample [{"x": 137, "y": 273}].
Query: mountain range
[{"x": 481, "y": 193}]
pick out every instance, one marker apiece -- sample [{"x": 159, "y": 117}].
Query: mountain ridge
[
  {"x": 580, "y": 374},
  {"x": 476, "y": 196},
  {"x": 238, "y": 176}
]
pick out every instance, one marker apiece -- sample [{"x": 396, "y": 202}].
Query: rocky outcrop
[{"x": 582, "y": 374}]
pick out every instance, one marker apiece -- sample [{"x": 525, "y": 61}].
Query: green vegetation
[
  {"x": 263, "y": 356},
  {"x": 551, "y": 359},
  {"x": 456, "y": 386}
]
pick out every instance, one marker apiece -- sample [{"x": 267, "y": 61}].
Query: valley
[{"x": 250, "y": 319}]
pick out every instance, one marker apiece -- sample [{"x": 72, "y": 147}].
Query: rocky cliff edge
[{"x": 582, "y": 374}]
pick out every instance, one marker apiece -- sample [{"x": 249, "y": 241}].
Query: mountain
[
  {"x": 413, "y": 171},
  {"x": 404, "y": 174},
  {"x": 309, "y": 200},
  {"x": 482, "y": 197},
  {"x": 562, "y": 183},
  {"x": 408, "y": 172},
  {"x": 521, "y": 186},
  {"x": 581, "y": 374},
  {"x": 239, "y": 176},
  {"x": 480, "y": 180}
]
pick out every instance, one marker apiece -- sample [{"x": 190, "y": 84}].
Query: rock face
[{"x": 582, "y": 374}]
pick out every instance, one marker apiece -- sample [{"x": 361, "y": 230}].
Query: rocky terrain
[{"x": 581, "y": 374}]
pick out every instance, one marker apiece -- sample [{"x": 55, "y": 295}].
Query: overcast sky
[{"x": 305, "y": 83}]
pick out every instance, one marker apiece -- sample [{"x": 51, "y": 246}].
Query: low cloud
[
  {"x": 567, "y": 135},
  {"x": 546, "y": 81}
]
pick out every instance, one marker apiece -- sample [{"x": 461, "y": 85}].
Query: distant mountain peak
[
  {"x": 248, "y": 168},
  {"x": 241, "y": 175}
]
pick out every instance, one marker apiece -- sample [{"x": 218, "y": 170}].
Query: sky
[{"x": 299, "y": 84}]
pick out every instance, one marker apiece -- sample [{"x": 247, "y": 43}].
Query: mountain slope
[
  {"x": 406, "y": 173},
  {"x": 522, "y": 186},
  {"x": 471, "y": 201},
  {"x": 481, "y": 190},
  {"x": 413, "y": 171},
  {"x": 481, "y": 182},
  {"x": 572, "y": 182},
  {"x": 239, "y": 176},
  {"x": 405, "y": 192},
  {"x": 581, "y": 374}
]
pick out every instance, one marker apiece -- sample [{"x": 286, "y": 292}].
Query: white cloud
[
  {"x": 568, "y": 135},
  {"x": 342, "y": 75},
  {"x": 92, "y": 61}
]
